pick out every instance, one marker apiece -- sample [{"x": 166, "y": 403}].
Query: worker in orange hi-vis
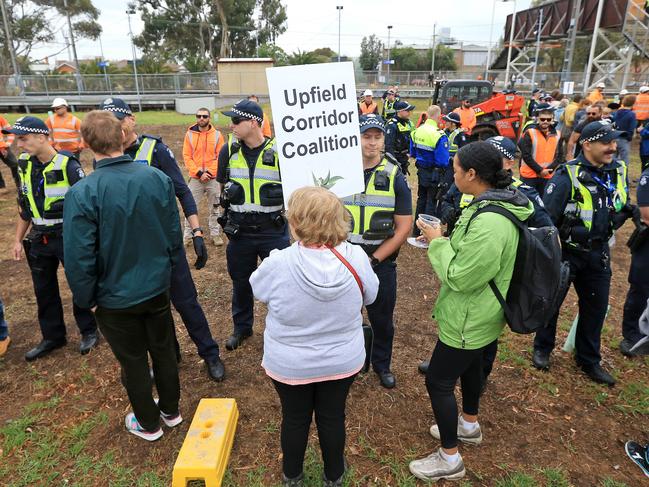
[
  {"x": 597, "y": 94},
  {"x": 6, "y": 155},
  {"x": 641, "y": 106},
  {"x": 265, "y": 125},
  {"x": 467, "y": 115},
  {"x": 65, "y": 128}
]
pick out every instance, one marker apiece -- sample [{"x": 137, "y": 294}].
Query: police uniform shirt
[
  {"x": 164, "y": 160},
  {"x": 402, "y": 194},
  {"x": 639, "y": 269},
  {"x": 74, "y": 173},
  {"x": 397, "y": 142}
]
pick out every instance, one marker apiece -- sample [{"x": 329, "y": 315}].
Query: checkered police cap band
[
  {"x": 34, "y": 130},
  {"x": 118, "y": 109},
  {"x": 503, "y": 151},
  {"x": 372, "y": 121},
  {"x": 247, "y": 115},
  {"x": 598, "y": 135}
]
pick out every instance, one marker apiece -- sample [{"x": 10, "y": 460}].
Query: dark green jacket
[{"x": 121, "y": 234}]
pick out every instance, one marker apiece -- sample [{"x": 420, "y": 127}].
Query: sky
[{"x": 313, "y": 24}]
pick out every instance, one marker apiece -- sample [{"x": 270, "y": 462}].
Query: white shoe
[
  {"x": 471, "y": 437},
  {"x": 134, "y": 427},
  {"x": 434, "y": 467},
  {"x": 170, "y": 420}
]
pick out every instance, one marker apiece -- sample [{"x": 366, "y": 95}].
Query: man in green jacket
[{"x": 123, "y": 238}]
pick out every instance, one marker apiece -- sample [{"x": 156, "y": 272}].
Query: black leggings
[
  {"x": 447, "y": 364},
  {"x": 327, "y": 399}
]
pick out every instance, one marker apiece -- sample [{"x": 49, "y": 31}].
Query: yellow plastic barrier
[{"x": 206, "y": 449}]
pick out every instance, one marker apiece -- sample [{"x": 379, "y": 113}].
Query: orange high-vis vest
[
  {"x": 543, "y": 151},
  {"x": 65, "y": 132},
  {"x": 595, "y": 96},
  {"x": 201, "y": 150},
  {"x": 367, "y": 109},
  {"x": 265, "y": 127},
  {"x": 467, "y": 118},
  {"x": 641, "y": 107},
  {"x": 5, "y": 140}
]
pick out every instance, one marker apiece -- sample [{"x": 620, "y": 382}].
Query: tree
[
  {"x": 444, "y": 58},
  {"x": 371, "y": 48},
  {"x": 302, "y": 57},
  {"x": 274, "y": 52}
]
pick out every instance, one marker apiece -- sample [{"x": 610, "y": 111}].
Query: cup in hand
[{"x": 430, "y": 220}]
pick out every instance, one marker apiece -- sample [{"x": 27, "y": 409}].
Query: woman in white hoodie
[{"x": 313, "y": 342}]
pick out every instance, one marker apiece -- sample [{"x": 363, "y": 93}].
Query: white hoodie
[{"x": 314, "y": 321}]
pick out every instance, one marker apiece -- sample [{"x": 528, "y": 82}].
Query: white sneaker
[
  {"x": 170, "y": 420},
  {"x": 471, "y": 437},
  {"x": 134, "y": 427},
  {"x": 434, "y": 467}
]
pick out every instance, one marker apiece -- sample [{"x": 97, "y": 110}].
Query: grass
[
  {"x": 634, "y": 399},
  {"x": 516, "y": 479},
  {"x": 507, "y": 354}
]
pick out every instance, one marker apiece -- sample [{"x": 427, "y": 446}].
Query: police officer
[
  {"x": 587, "y": 199},
  {"x": 389, "y": 99},
  {"x": 381, "y": 222},
  {"x": 255, "y": 224},
  {"x": 636, "y": 299},
  {"x": 455, "y": 202},
  {"x": 147, "y": 149},
  {"x": 456, "y": 136},
  {"x": 397, "y": 134},
  {"x": 430, "y": 148},
  {"x": 45, "y": 177}
]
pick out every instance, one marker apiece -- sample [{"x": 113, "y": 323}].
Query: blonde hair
[
  {"x": 318, "y": 217},
  {"x": 433, "y": 111},
  {"x": 102, "y": 131}
]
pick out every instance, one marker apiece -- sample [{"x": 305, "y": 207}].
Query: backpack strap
[{"x": 350, "y": 267}]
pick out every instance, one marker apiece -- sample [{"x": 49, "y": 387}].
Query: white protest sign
[
  {"x": 568, "y": 87},
  {"x": 315, "y": 115}
]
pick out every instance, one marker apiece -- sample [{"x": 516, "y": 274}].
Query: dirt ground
[{"x": 534, "y": 423}]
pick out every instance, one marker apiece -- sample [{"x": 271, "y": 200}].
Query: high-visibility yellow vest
[
  {"x": 55, "y": 186},
  {"x": 144, "y": 154}
]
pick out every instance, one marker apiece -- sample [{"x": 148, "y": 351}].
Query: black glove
[{"x": 201, "y": 252}]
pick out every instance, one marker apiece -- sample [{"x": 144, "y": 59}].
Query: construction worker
[
  {"x": 538, "y": 147},
  {"x": 367, "y": 104},
  {"x": 467, "y": 115},
  {"x": 201, "y": 153},
  {"x": 641, "y": 106},
  {"x": 388, "y": 110},
  {"x": 150, "y": 150},
  {"x": 6, "y": 155},
  {"x": 455, "y": 134},
  {"x": 385, "y": 204},
  {"x": 594, "y": 113},
  {"x": 430, "y": 148},
  {"x": 397, "y": 133},
  {"x": 597, "y": 94},
  {"x": 265, "y": 125},
  {"x": 45, "y": 176},
  {"x": 65, "y": 128},
  {"x": 254, "y": 223},
  {"x": 587, "y": 199}
]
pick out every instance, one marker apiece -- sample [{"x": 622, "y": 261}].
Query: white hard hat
[
  {"x": 644, "y": 89},
  {"x": 368, "y": 93},
  {"x": 624, "y": 92},
  {"x": 601, "y": 85},
  {"x": 59, "y": 102}
]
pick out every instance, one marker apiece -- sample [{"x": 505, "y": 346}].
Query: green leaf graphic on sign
[{"x": 327, "y": 182}]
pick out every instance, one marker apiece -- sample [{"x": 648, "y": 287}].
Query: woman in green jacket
[{"x": 468, "y": 314}]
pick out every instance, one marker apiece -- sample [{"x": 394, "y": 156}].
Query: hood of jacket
[
  {"x": 195, "y": 128},
  {"x": 510, "y": 199}
]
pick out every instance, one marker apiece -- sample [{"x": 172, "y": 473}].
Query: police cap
[
  {"x": 371, "y": 121},
  {"x": 116, "y": 105},
  {"x": 504, "y": 145},
  {"x": 246, "y": 109},
  {"x": 403, "y": 105},
  {"x": 600, "y": 131},
  {"x": 28, "y": 125},
  {"x": 453, "y": 117}
]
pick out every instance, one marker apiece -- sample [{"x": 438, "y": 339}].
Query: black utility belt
[{"x": 273, "y": 220}]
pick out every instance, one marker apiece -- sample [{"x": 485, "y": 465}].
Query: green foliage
[
  {"x": 410, "y": 59},
  {"x": 516, "y": 479},
  {"x": 326, "y": 182},
  {"x": 634, "y": 399},
  {"x": 275, "y": 52},
  {"x": 371, "y": 48},
  {"x": 555, "y": 477}
]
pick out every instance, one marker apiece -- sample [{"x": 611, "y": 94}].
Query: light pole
[
  {"x": 103, "y": 66},
  {"x": 74, "y": 49},
  {"x": 491, "y": 36},
  {"x": 340, "y": 9},
  {"x": 432, "y": 61},
  {"x": 129, "y": 12},
  {"x": 511, "y": 41},
  {"x": 389, "y": 29},
  {"x": 11, "y": 49}
]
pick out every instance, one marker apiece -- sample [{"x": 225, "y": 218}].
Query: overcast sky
[{"x": 313, "y": 24}]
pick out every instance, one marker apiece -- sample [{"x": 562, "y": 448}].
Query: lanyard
[{"x": 612, "y": 196}]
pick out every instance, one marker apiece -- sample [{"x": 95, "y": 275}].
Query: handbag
[{"x": 368, "y": 333}]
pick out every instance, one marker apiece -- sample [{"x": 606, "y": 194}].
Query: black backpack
[{"x": 540, "y": 279}]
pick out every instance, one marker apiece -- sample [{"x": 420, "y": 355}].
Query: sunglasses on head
[{"x": 202, "y": 116}]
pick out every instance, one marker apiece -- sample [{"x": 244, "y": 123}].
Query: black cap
[
  {"x": 28, "y": 125},
  {"x": 504, "y": 145},
  {"x": 371, "y": 121},
  {"x": 600, "y": 131},
  {"x": 246, "y": 109},
  {"x": 543, "y": 107},
  {"x": 453, "y": 117},
  {"x": 536, "y": 90},
  {"x": 403, "y": 105},
  {"x": 116, "y": 105}
]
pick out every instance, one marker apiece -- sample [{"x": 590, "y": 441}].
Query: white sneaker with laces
[
  {"x": 473, "y": 437},
  {"x": 134, "y": 427},
  {"x": 434, "y": 467}
]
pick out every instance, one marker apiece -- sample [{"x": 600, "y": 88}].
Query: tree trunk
[{"x": 225, "y": 34}]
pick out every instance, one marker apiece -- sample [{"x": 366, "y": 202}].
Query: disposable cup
[{"x": 433, "y": 221}]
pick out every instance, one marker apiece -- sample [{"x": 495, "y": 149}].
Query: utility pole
[
  {"x": 570, "y": 47},
  {"x": 432, "y": 61},
  {"x": 389, "y": 60},
  {"x": 74, "y": 49},
  {"x": 511, "y": 43},
  {"x": 491, "y": 36},
  {"x": 538, "y": 45},
  {"x": 103, "y": 65},
  {"x": 340, "y": 9},
  {"x": 593, "y": 45},
  {"x": 129, "y": 12},
  {"x": 12, "y": 49}
]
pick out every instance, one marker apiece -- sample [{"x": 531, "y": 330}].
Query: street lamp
[
  {"x": 511, "y": 41},
  {"x": 389, "y": 29},
  {"x": 340, "y": 9},
  {"x": 129, "y": 12},
  {"x": 491, "y": 36}
]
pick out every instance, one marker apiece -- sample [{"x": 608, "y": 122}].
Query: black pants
[
  {"x": 537, "y": 183},
  {"x": 12, "y": 163},
  {"x": 590, "y": 273},
  {"x": 634, "y": 306},
  {"x": 380, "y": 314},
  {"x": 447, "y": 365},
  {"x": 327, "y": 399},
  {"x": 44, "y": 258},
  {"x": 644, "y": 159},
  {"x": 242, "y": 256},
  {"x": 488, "y": 358},
  {"x": 133, "y": 334},
  {"x": 185, "y": 299},
  {"x": 433, "y": 183}
]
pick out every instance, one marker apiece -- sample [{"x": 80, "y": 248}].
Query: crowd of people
[{"x": 118, "y": 231}]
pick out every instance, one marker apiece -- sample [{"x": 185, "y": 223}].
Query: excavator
[{"x": 497, "y": 113}]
